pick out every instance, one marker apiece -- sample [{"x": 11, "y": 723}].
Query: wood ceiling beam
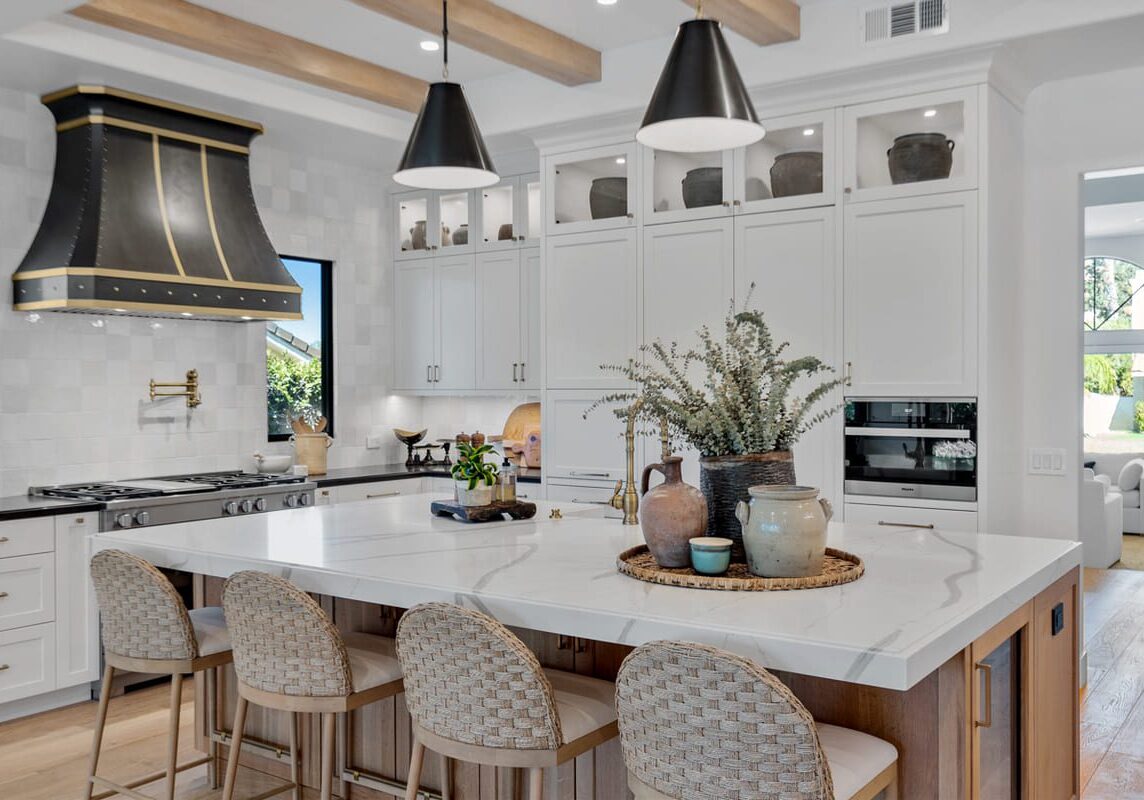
[
  {"x": 487, "y": 28},
  {"x": 762, "y": 21},
  {"x": 196, "y": 28}
]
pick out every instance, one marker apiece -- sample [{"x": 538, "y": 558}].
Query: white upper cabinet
[
  {"x": 414, "y": 324},
  {"x": 686, "y": 186},
  {"x": 594, "y": 189},
  {"x": 790, "y": 259},
  {"x": 414, "y": 218},
  {"x": 435, "y": 324},
  {"x": 509, "y": 213},
  {"x": 508, "y": 312},
  {"x": 911, "y": 296},
  {"x": 530, "y": 205},
  {"x": 455, "y": 291},
  {"x": 907, "y": 146},
  {"x": 529, "y": 318},
  {"x": 454, "y": 221},
  {"x": 793, "y": 166},
  {"x": 591, "y": 304}
]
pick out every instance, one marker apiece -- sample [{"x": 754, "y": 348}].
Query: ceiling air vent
[{"x": 899, "y": 20}]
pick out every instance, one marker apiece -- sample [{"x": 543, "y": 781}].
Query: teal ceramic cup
[{"x": 710, "y": 555}]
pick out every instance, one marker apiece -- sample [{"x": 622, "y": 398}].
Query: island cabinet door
[{"x": 1000, "y": 712}]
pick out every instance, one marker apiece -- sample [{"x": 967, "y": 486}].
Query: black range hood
[{"x": 151, "y": 213}]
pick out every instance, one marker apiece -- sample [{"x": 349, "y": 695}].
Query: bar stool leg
[
  {"x": 535, "y": 783},
  {"x": 892, "y": 789},
  {"x": 100, "y": 723},
  {"x": 446, "y": 778},
  {"x": 414, "y": 780},
  {"x": 173, "y": 733},
  {"x": 295, "y": 763},
  {"x": 210, "y": 691},
  {"x": 235, "y": 748},
  {"x": 328, "y": 731}
]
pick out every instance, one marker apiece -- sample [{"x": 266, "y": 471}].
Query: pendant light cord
[
  {"x": 699, "y": 9},
  {"x": 445, "y": 36}
]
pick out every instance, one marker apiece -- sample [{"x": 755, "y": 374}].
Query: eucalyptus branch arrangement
[
  {"x": 472, "y": 467},
  {"x": 746, "y": 401}
]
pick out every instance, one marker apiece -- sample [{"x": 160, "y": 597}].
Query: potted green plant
[
  {"x": 735, "y": 401},
  {"x": 474, "y": 476}
]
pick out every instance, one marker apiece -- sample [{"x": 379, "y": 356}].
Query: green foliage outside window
[
  {"x": 1108, "y": 374},
  {"x": 293, "y": 389},
  {"x": 1108, "y": 293}
]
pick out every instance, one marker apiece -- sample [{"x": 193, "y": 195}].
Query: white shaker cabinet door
[
  {"x": 688, "y": 282},
  {"x": 77, "y": 616},
  {"x": 455, "y": 287},
  {"x": 414, "y": 324},
  {"x": 911, "y": 296},
  {"x": 498, "y": 319},
  {"x": 586, "y": 449},
  {"x": 529, "y": 317},
  {"x": 591, "y": 306},
  {"x": 790, "y": 258}
]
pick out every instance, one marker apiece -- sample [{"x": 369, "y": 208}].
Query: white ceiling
[{"x": 1121, "y": 219}]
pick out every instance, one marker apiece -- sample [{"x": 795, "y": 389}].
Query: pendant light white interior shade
[{"x": 700, "y": 103}]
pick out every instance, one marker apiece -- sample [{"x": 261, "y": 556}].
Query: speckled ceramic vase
[
  {"x": 671, "y": 514},
  {"x": 784, "y": 531}
]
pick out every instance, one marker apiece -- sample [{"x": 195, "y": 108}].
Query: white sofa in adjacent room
[
  {"x": 1124, "y": 472},
  {"x": 1101, "y": 517}
]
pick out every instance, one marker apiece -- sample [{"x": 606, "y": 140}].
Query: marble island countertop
[{"x": 925, "y": 595}]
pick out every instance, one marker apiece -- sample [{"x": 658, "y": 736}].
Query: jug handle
[
  {"x": 647, "y": 474},
  {"x": 329, "y": 442},
  {"x": 827, "y": 508},
  {"x": 742, "y": 513},
  {"x": 951, "y": 144}
]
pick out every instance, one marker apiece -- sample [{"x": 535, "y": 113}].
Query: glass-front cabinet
[
  {"x": 454, "y": 219},
  {"x": 682, "y": 186},
  {"x": 791, "y": 167},
  {"x": 592, "y": 189},
  {"x": 510, "y": 213},
  {"x": 921, "y": 144},
  {"x": 413, "y": 234}
]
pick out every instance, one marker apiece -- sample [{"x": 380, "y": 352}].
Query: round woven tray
[{"x": 839, "y": 567}]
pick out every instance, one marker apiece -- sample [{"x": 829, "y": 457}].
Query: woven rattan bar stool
[
  {"x": 697, "y": 723},
  {"x": 477, "y": 694},
  {"x": 289, "y": 656},
  {"x": 146, "y": 628}
]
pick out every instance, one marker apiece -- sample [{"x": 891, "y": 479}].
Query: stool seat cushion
[
  {"x": 855, "y": 758},
  {"x": 583, "y": 704},
  {"x": 210, "y": 630},
  {"x": 373, "y": 660}
]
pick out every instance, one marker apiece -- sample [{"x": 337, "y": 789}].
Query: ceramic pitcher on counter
[
  {"x": 671, "y": 514},
  {"x": 310, "y": 449},
  {"x": 784, "y": 531}
]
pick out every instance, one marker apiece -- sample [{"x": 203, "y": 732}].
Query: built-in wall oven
[{"x": 920, "y": 448}]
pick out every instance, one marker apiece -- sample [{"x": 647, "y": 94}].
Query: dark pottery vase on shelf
[
  {"x": 504, "y": 232},
  {"x": 796, "y": 173},
  {"x": 461, "y": 235},
  {"x": 703, "y": 186},
  {"x": 671, "y": 514},
  {"x": 608, "y": 197},
  {"x": 418, "y": 235},
  {"x": 920, "y": 157},
  {"x": 725, "y": 480}
]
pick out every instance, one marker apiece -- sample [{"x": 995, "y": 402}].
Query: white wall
[
  {"x": 73, "y": 397},
  {"x": 1071, "y": 127},
  {"x": 1129, "y": 248}
]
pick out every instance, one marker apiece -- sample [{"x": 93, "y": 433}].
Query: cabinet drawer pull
[
  {"x": 589, "y": 474},
  {"x": 3, "y": 667},
  {"x": 926, "y": 525},
  {"x": 382, "y": 494},
  {"x": 437, "y": 373},
  {"x": 3, "y": 595},
  {"x": 522, "y": 372},
  {"x": 987, "y": 672},
  {"x": 3, "y": 539}
]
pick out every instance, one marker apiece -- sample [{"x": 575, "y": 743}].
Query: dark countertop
[
  {"x": 22, "y": 507},
  {"x": 396, "y": 472}
]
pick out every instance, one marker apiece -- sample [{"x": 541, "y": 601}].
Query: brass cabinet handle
[
  {"x": 926, "y": 525},
  {"x": 383, "y": 494},
  {"x": 988, "y": 672}
]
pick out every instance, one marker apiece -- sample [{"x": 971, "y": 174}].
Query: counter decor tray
[
  {"x": 840, "y": 567},
  {"x": 494, "y": 512}
]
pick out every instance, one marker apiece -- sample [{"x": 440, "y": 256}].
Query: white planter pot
[{"x": 482, "y": 495}]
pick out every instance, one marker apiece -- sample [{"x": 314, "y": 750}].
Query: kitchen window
[{"x": 299, "y": 353}]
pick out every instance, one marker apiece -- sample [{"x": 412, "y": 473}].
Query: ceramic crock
[
  {"x": 703, "y": 186},
  {"x": 608, "y": 197},
  {"x": 784, "y": 531},
  {"x": 920, "y": 157},
  {"x": 797, "y": 173},
  {"x": 310, "y": 449}
]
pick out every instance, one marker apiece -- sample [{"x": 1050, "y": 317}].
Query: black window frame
[{"x": 326, "y": 269}]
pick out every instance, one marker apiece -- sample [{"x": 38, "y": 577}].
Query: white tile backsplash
[{"x": 73, "y": 397}]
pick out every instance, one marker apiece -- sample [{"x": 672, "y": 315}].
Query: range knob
[
  {"x": 260, "y": 504},
  {"x": 246, "y": 506},
  {"x": 124, "y": 520},
  {"x": 230, "y": 508},
  {"x": 291, "y": 501},
  {"x": 305, "y": 499},
  {"x": 143, "y": 518}
]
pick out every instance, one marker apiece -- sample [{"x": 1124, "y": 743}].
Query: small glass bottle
[{"x": 506, "y": 483}]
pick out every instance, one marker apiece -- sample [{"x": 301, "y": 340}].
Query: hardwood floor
[{"x": 45, "y": 757}]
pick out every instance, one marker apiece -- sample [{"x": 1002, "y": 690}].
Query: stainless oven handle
[{"x": 910, "y": 433}]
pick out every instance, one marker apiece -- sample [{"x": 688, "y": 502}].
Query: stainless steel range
[{"x": 186, "y": 498}]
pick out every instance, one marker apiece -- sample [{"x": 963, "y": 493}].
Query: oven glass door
[{"x": 929, "y": 463}]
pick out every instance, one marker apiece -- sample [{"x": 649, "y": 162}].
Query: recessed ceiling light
[
  {"x": 248, "y": 319},
  {"x": 187, "y": 314},
  {"x": 430, "y": 46},
  {"x": 119, "y": 310},
  {"x": 930, "y": 112},
  {"x": 808, "y": 132},
  {"x": 621, "y": 160},
  {"x": 97, "y": 323},
  {"x": 606, "y": 2}
]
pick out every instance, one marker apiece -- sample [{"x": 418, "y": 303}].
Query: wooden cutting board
[{"x": 490, "y": 513}]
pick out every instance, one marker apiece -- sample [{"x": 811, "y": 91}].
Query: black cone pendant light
[
  {"x": 700, "y": 103},
  {"x": 445, "y": 150}
]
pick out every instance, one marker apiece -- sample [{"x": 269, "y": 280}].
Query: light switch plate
[
  {"x": 373, "y": 442},
  {"x": 1047, "y": 461}
]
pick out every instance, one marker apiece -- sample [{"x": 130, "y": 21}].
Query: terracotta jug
[{"x": 671, "y": 514}]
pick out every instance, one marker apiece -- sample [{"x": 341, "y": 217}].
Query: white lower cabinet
[
  {"x": 27, "y": 590},
  {"x": 583, "y": 492},
  {"x": 23, "y": 537},
  {"x": 77, "y": 615},
  {"x": 357, "y": 492},
  {"x": 589, "y": 449},
  {"x": 908, "y": 518},
  {"x": 27, "y": 661}
]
